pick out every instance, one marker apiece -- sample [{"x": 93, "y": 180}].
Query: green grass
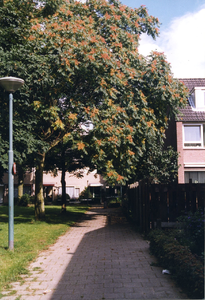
[{"x": 30, "y": 237}]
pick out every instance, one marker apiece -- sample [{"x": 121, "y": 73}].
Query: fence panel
[{"x": 151, "y": 204}]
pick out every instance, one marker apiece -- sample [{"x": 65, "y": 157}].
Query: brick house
[
  {"x": 52, "y": 186},
  {"x": 187, "y": 133}
]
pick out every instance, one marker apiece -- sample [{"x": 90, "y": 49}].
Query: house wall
[
  {"x": 188, "y": 158},
  {"x": 53, "y": 183},
  {"x": 180, "y": 151},
  {"x": 72, "y": 181}
]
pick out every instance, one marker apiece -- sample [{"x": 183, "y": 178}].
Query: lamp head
[{"x": 11, "y": 84}]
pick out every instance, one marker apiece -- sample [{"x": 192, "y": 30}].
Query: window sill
[{"x": 194, "y": 148}]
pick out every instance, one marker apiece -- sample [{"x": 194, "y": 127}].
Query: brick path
[{"x": 99, "y": 258}]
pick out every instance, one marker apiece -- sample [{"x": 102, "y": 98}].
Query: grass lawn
[{"x": 30, "y": 237}]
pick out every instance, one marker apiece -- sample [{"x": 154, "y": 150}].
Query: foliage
[
  {"x": 185, "y": 267},
  {"x": 60, "y": 197},
  {"x": 15, "y": 23},
  {"x": 85, "y": 194},
  {"x": 191, "y": 231},
  {"x": 24, "y": 200},
  {"x": 80, "y": 63},
  {"x": 30, "y": 237},
  {"x": 158, "y": 165}
]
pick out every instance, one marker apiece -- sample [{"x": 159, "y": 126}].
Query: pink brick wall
[
  {"x": 194, "y": 156},
  {"x": 180, "y": 151},
  {"x": 187, "y": 156}
]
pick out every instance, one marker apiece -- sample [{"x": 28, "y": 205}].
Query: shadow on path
[{"x": 111, "y": 261}]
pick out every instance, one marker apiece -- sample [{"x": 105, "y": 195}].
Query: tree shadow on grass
[{"x": 53, "y": 215}]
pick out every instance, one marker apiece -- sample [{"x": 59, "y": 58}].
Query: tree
[
  {"x": 65, "y": 157},
  {"x": 82, "y": 63},
  {"x": 133, "y": 137},
  {"x": 15, "y": 17}
]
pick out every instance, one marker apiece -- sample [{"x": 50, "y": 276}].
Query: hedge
[{"x": 186, "y": 268}]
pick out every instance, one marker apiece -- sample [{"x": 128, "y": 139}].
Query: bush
[
  {"x": 184, "y": 266},
  {"x": 191, "y": 231},
  {"x": 85, "y": 194},
  {"x": 59, "y": 198},
  {"x": 24, "y": 200}
]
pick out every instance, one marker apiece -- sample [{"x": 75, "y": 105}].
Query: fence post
[
  {"x": 140, "y": 206},
  {"x": 143, "y": 207}
]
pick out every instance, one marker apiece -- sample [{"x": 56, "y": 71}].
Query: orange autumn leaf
[
  {"x": 112, "y": 72},
  {"x": 87, "y": 109},
  {"x": 129, "y": 138},
  {"x": 119, "y": 177},
  {"x": 31, "y": 38},
  {"x": 91, "y": 57},
  {"x": 81, "y": 146},
  {"x": 105, "y": 56},
  {"x": 76, "y": 62},
  {"x": 99, "y": 142},
  {"x": 110, "y": 174},
  {"x": 131, "y": 152},
  {"x": 93, "y": 39},
  {"x": 72, "y": 116},
  {"x": 103, "y": 82},
  {"x": 129, "y": 127},
  {"x": 94, "y": 112},
  {"x": 149, "y": 124},
  {"x": 107, "y": 16}
]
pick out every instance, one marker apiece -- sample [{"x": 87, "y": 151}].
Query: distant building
[{"x": 52, "y": 185}]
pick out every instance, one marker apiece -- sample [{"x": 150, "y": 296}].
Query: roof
[
  {"x": 187, "y": 114},
  {"x": 193, "y": 82}
]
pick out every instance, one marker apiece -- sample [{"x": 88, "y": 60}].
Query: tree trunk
[
  {"x": 20, "y": 180},
  {"x": 63, "y": 200},
  {"x": 39, "y": 199}
]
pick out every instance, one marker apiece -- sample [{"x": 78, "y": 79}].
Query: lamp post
[{"x": 11, "y": 84}]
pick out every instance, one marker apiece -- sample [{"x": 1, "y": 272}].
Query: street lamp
[{"x": 11, "y": 84}]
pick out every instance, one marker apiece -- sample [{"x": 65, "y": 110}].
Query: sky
[{"x": 182, "y": 34}]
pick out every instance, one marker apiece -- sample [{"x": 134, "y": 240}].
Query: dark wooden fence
[{"x": 155, "y": 205}]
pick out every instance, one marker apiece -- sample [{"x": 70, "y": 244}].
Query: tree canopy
[{"x": 80, "y": 63}]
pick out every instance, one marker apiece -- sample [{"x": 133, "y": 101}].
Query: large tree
[
  {"x": 80, "y": 62},
  {"x": 15, "y": 26},
  {"x": 129, "y": 145}
]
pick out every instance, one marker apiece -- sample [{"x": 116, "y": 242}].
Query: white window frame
[
  {"x": 197, "y": 99},
  {"x": 202, "y": 141}
]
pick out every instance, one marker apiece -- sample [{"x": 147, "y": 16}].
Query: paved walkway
[{"x": 101, "y": 257}]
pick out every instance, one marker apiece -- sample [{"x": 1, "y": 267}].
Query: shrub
[
  {"x": 24, "y": 200},
  {"x": 85, "y": 194},
  {"x": 32, "y": 199},
  {"x": 67, "y": 197},
  {"x": 59, "y": 197},
  {"x": 191, "y": 231},
  {"x": 185, "y": 267}
]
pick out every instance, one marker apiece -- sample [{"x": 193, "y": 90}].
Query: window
[
  {"x": 196, "y": 177},
  {"x": 71, "y": 191},
  {"x": 194, "y": 135},
  {"x": 77, "y": 192},
  {"x": 197, "y": 98}
]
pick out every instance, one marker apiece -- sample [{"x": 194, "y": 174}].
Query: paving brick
[{"x": 104, "y": 262}]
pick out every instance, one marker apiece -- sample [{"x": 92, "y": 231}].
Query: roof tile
[{"x": 187, "y": 114}]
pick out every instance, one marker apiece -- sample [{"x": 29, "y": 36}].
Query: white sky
[{"x": 183, "y": 43}]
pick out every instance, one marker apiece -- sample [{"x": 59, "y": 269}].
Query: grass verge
[{"x": 30, "y": 237}]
